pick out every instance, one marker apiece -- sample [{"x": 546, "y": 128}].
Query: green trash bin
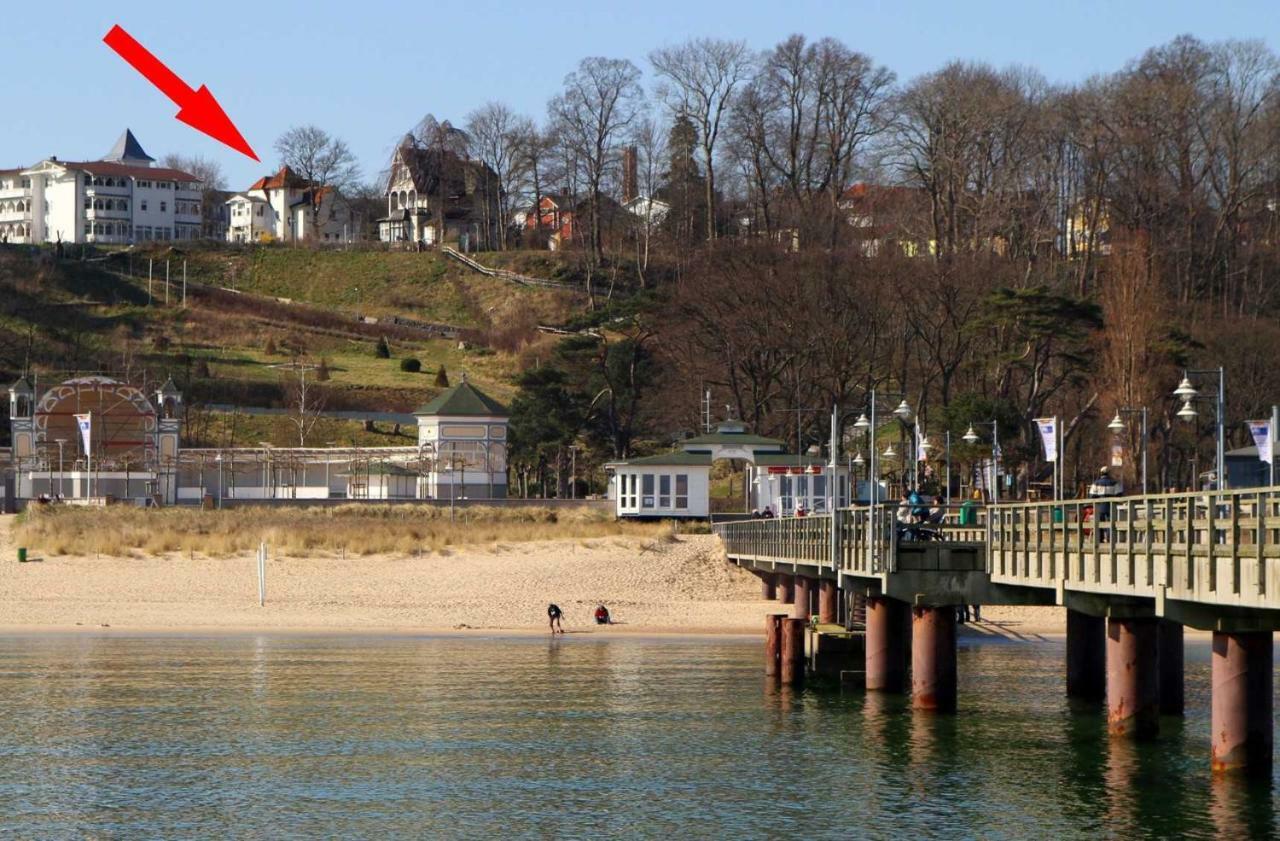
[
  {"x": 1057, "y": 515},
  {"x": 22, "y": 554},
  {"x": 968, "y": 513}
]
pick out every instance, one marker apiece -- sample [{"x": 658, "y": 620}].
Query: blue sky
[{"x": 368, "y": 70}]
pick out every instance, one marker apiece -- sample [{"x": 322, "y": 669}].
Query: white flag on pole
[
  {"x": 1049, "y": 437},
  {"x": 85, "y": 422},
  {"x": 1261, "y": 432},
  {"x": 921, "y": 454}
]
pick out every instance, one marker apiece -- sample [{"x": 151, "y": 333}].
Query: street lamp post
[
  {"x": 218, "y": 459},
  {"x": 1188, "y": 393},
  {"x": 902, "y": 412},
  {"x": 1118, "y": 425},
  {"x": 947, "y": 492},
  {"x": 61, "y": 477},
  {"x": 971, "y": 437}
]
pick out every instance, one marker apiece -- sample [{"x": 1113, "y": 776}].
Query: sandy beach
[{"x": 683, "y": 586}]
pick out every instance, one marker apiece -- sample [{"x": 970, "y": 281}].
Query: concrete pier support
[
  {"x": 1086, "y": 656},
  {"x": 792, "y": 656},
  {"x": 1133, "y": 678},
  {"x": 768, "y": 586},
  {"x": 1241, "y": 723},
  {"x": 773, "y": 642},
  {"x": 1169, "y": 641},
  {"x": 803, "y": 598},
  {"x": 886, "y": 654},
  {"x": 827, "y": 601},
  {"x": 933, "y": 658},
  {"x": 786, "y": 588}
]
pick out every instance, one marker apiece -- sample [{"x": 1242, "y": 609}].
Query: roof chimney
[{"x": 629, "y": 174}]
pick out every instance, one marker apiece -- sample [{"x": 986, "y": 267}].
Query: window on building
[
  {"x": 88, "y": 180},
  {"x": 87, "y": 229},
  {"x": 164, "y": 206},
  {"x": 664, "y": 491},
  {"x": 802, "y": 491},
  {"x": 784, "y": 494},
  {"x": 88, "y": 203},
  {"x": 682, "y": 491},
  {"x": 144, "y": 205},
  {"x": 646, "y": 490},
  {"x": 819, "y": 493},
  {"x": 259, "y": 210}
]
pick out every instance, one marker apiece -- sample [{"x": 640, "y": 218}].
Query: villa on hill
[
  {"x": 288, "y": 208},
  {"x": 119, "y": 199},
  {"x": 425, "y": 180}
]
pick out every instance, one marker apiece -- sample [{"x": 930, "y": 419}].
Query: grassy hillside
[
  {"x": 63, "y": 317},
  {"x": 424, "y": 286}
]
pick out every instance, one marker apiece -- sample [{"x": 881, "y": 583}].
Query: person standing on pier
[{"x": 1103, "y": 488}]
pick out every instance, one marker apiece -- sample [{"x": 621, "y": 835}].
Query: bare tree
[
  {"x": 306, "y": 402},
  {"x": 536, "y": 148},
  {"x": 497, "y": 138},
  {"x": 802, "y": 126},
  {"x": 598, "y": 104},
  {"x": 649, "y": 140},
  {"x": 325, "y": 162},
  {"x": 702, "y": 74}
]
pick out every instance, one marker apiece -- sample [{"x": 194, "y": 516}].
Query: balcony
[{"x": 107, "y": 214}]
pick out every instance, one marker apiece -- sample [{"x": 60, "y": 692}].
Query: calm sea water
[{"x": 278, "y": 736}]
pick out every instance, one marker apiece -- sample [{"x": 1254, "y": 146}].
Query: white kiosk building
[{"x": 678, "y": 484}]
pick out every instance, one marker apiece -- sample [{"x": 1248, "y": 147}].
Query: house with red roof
[
  {"x": 286, "y": 207},
  {"x": 121, "y": 198}
]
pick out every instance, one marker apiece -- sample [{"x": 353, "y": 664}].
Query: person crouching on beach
[
  {"x": 553, "y": 615},
  {"x": 602, "y": 615}
]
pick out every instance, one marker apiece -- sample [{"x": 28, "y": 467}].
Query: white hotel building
[{"x": 120, "y": 199}]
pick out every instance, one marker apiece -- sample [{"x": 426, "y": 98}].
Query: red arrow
[{"x": 197, "y": 108}]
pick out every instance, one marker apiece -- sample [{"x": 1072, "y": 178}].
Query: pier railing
[
  {"x": 1217, "y": 547},
  {"x": 866, "y": 542},
  {"x": 793, "y": 540}
]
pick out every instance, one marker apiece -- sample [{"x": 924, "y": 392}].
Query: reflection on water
[{"x": 285, "y": 736}]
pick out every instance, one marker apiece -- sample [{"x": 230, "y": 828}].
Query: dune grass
[{"x": 357, "y": 529}]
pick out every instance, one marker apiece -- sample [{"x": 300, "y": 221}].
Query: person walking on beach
[{"x": 553, "y": 615}]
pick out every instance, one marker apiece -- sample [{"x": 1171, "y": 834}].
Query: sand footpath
[{"x": 651, "y": 586}]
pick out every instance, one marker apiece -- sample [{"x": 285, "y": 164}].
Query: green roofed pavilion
[{"x": 463, "y": 400}]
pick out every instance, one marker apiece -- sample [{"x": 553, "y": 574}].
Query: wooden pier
[{"x": 1131, "y": 571}]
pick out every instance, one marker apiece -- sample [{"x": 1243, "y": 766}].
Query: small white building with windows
[
  {"x": 678, "y": 484},
  {"x": 667, "y": 485},
  {"x": 119, "y": 199}
]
